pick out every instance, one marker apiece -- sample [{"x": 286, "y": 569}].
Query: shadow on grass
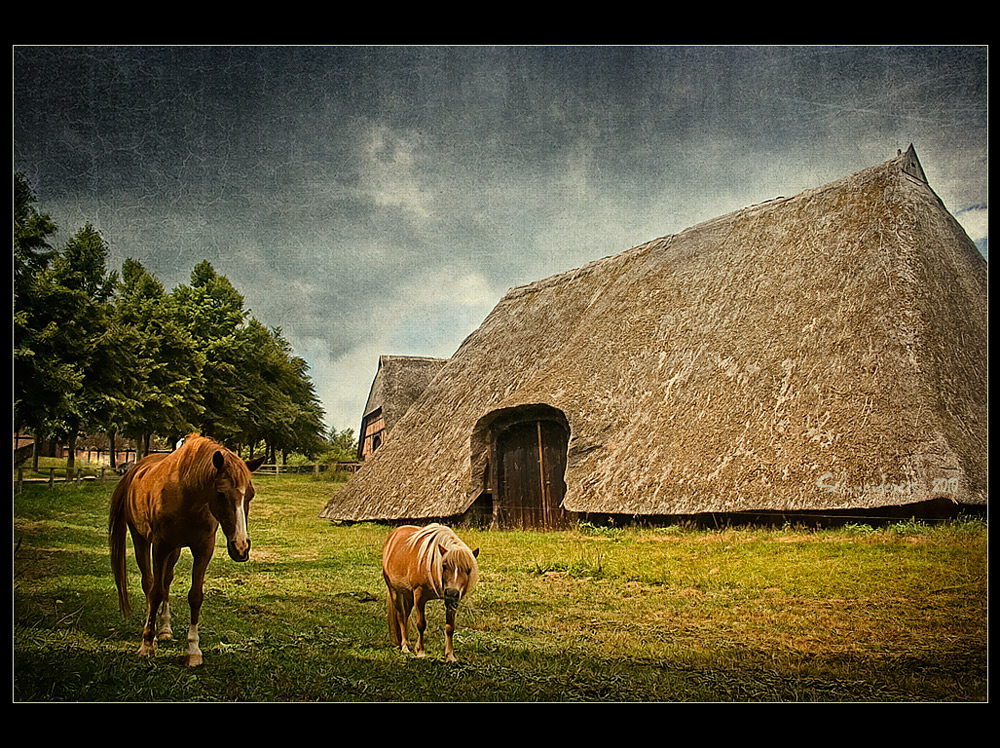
[{"x": 88, "y": 654}]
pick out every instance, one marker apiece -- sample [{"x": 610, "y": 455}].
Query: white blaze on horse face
[
  {"x": 241, "y": 534},
  {"x": 455, "y": 587}
]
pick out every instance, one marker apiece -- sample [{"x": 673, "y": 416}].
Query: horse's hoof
[
  {"x": 146, "y": 650},
  {"x": 165, "y": 636},
  {"x": 193, "y": 660}
]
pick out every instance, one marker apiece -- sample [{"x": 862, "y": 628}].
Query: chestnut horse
[
  {"x": 421, "y": 564},
  {"x": 171, "y": 501}
]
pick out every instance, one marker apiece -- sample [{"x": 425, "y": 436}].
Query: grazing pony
[
  {"x": 171, "y": 501},
  {"x": 421, "y": 564}
]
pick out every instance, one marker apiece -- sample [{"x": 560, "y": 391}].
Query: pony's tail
[
  {"x": 392, "y": 618},
  {"x": 116, "y": 539}
]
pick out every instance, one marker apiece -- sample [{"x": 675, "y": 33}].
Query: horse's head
[
  {"x": 231, "y": 501},
  {"x": 459, "y": 573}
]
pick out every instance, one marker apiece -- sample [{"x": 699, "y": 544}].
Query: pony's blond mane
[
  {"x": 195, "y": 458},
  {"x": 427, "y": 544}
]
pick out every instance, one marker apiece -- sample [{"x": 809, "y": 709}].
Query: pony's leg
[
  {"x": 193, "y": 656},
  {"x": 449, "y": 630},
  {"x": 394, "y": 617},
  {"x": 164, "y": 632},
  {"x": 404, "y": 606},
  {"x": 155, "y": 595},
  {"x": 419, "y": 601}
]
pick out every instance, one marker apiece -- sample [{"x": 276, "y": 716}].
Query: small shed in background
[{"x": 399, "y": 381}]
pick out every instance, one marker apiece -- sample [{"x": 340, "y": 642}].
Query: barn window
[{"x": 372, "y": 434}]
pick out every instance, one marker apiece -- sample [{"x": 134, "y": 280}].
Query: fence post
[{"x": 52, "y": 477}]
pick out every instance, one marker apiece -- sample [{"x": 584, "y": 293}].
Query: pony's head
[
  {"x": 230, "y": 502},
  {"x": 459, "y": 573}
]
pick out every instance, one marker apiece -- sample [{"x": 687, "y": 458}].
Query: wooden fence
[
  {"x": 277, "y": 469},
  {"x": 53, "y": 475},
  {"x": 58, "y": 475}
]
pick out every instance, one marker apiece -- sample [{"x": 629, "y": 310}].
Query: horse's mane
[
  {"x": 196, "y": 466},
  {"x": 427, "y": 544}
]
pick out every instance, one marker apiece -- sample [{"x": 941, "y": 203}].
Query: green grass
[{"x": 593, "y": 614}]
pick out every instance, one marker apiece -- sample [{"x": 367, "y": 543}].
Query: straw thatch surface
[
  {"x": 398, "y": 383},
  {"x": 824, "y": 351}
]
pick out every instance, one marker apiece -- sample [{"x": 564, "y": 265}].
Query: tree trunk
[
  {"x": 112, "y": 453},
  {"x": 71, "y": 457}
]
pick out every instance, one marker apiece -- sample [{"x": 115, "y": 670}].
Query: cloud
[
  {"x": 390, "y": 172},
  {"x": 975, "y": 219},
  {"x": 428, "y": 316},
  {"x": 372, "y": 200}
]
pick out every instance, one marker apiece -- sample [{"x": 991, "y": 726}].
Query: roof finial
[{"x": 911, "y": 165}]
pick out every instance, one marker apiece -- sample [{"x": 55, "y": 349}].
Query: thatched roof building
[
  {"x": 398, "y": 382},
  {"x": 816, "y": 353}
]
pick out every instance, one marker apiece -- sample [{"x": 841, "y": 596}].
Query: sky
[{"x": 372, "y": 200}]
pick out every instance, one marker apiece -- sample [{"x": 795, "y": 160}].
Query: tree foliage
[
  {"x": 99, "y": 351},
  {"x": 343, "y": 446},
  {"x": 32, "y": 253},
  {"x": 162, "y": 374},
  {"x": 61, "y": 305}
]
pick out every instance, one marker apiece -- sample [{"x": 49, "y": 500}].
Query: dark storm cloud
[{"x": 381, "y": 199}]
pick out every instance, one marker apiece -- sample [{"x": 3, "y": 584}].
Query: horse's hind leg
[
  {"x": 142, "y": 558},
  {"x": 164, "y": 632},
  {"x": 153, "y": 584},
  {"x": 419, "y": 601},
  {"x": 142, "y": 551},
  {"x": 402, "y": 601}
]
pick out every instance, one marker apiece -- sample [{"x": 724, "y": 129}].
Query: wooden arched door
[{"x": 530, "y": 463}]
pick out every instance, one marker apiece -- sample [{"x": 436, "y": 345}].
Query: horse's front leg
[
  {"x": 449, "y": 630},
  {"x": 193, "y": 656}
]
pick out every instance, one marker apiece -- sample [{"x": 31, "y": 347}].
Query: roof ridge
[{"x": 908, "y": 163}]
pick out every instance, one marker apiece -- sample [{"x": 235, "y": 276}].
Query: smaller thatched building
[
  {"x": 398, "y": 382},
  {"x": 822, "y": 353}
]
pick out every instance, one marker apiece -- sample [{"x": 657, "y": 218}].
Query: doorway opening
[{"x": 528, "y": 447}]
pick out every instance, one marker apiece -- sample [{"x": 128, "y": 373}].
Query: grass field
[{"x": 593, "y": 614}]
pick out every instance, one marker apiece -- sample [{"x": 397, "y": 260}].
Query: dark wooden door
[{"x": 531, "y": 464}]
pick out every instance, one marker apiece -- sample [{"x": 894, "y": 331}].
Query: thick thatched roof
[
  {"x": 819, "y": 352},
  {"x": 398, "y": 383}
]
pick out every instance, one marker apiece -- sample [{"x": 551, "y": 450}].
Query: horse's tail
[{"x": 116, "y": 537}]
